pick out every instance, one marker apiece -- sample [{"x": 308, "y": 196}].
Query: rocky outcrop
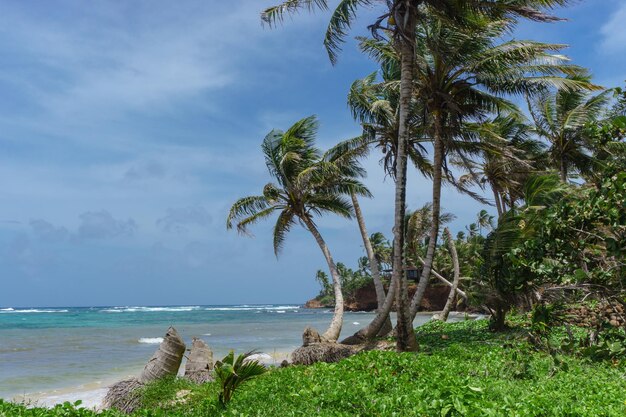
[{"x": 365, "y": 299}]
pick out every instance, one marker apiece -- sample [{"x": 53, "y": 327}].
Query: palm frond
[
  {"x": 276, "y": 14},
  {"x": 339, "y": 25},
  {"x": 245, "y": 209}
]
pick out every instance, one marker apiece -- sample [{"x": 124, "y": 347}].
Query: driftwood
[
  {"x": 322, "y": 352},
  {"x": 166, "y": 360},
  {"x": 199, "y": 363},
  {"x": 310, "y": 336},
  {"x": 126, "y": 395}
]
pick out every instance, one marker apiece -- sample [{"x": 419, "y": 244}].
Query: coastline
[
  {"x": 92, "y": 394},
  {"x": 113, "y": 347}
]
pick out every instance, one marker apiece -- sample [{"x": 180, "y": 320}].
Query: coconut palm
[
  {"x": 462, "y": 76},
  {"x": 306, "y": 186},
  {"x": 398, "y": 23},
  {"x": 382, "y": 250},
  {"x": 559, "y": 116},
  {"x": 507, "y": 158}
]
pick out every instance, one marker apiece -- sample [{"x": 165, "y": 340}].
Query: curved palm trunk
[
  {"x": 377, "y": 327},
  {"x": 457, "y": 273},
  {"x": 378, "y": 284},
  {"x": 405, "y": 336},
  {"x": 434, "y": 231},
  {"x": 334, "y": 329}
]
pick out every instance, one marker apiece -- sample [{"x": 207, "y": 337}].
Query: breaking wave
[
  {"x": 150, "y": 340},
  {"x": 30, "y": 310},
  {"x": 253, "y": 308},
  {"x": 148, "y": 309}
]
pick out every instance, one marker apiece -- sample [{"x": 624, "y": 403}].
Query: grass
[{"x": 462, "y": 370}]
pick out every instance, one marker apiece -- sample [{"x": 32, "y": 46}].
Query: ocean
[{"x": 51, "y": 355}]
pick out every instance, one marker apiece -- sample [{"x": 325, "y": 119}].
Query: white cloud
[
  {"x": 91, "y": 72},
  {"x": 614, "y": 32}
]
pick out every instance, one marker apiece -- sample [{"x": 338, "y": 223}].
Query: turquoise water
[{"x": 47, "y": 349}]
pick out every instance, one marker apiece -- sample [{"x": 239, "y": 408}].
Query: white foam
[
  {"x": 91, "y": 399},
  {"x": 31, "y": 310},
  {"x": 207, "y": 334},
  {"x": 281, "y": 311},
  {"x": 356, "y": 323},
  {"x": 150, "y": 340},
  {"x": 148, "y": 309},
  {"x": 252, "y": 308},
  {"x": 6, "y": 309},
  {"x": 261, "y": 357}
]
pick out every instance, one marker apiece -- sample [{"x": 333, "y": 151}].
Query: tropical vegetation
[
  {"x": 544, "y": 259},
  {"x": 464, "y": 370}
]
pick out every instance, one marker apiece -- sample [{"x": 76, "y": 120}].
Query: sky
[{"x": 127, "y": 129}]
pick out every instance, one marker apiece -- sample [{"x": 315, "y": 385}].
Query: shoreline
[
  {"x": 92, "y": 389},
  {"x": 92, "y": 394}
]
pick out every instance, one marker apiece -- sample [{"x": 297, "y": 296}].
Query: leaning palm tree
[
  {"x": 348, "y": 157},
  {"x": 306, "y": 186},
  {"x": 398, "y": 23},
  {"x": 559, "y": 116}
]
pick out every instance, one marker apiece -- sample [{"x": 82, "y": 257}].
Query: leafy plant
[
  {"x": 543, "y": 316},
  {"x": 231, "y": 372}
]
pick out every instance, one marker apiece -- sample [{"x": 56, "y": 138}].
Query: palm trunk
[
  {"x": 496, "y": 197},
  {"x": 434, "y": 231},
  {"x": 445, "y": 281},
  {"x": 376, "y": 326},
  {"x": 334, "y": 329},
  {"x": 457, "y": 273},
  {"x": 166, "y": 360},
  {"x": 378, "y": 284},
  {"x": 563, "y": 170},
  {"x": 405, "y": 336}
]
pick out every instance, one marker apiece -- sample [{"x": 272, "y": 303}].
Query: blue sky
[{"x": 127, "y": 129}]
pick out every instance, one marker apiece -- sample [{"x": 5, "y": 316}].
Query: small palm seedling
[{"x": 231, "y": 372}]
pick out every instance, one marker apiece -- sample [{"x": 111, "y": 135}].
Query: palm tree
[
  {"x": 484, "y": 220},
  {"x": 349, "y": 157},
  {"x": 398, "y": 23},
  {"x": 373, "y": 264},
  {"x": 306, "y": 186},
  {"x": 559, "y": 116},
  {"x": 462, "y": 76},
  {"x": 508, "y": 157},
  {"x": 382, "y": 249}
]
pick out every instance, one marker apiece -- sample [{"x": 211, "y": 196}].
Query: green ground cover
[{"x": 462, "y": 370}]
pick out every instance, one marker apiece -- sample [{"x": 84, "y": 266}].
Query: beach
[{"x": 52, "y": 355}]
